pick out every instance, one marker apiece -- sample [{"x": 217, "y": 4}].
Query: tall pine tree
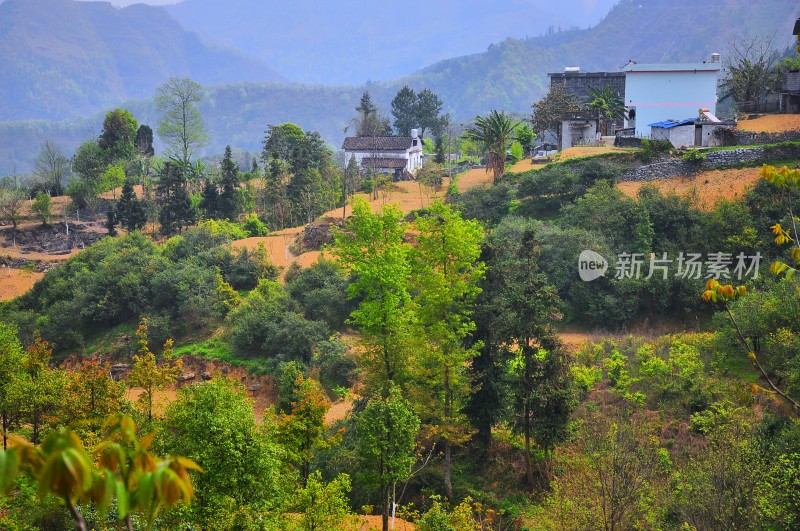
[
  {"x": 130, "y": 211},
  {"x": 175, "y": 205},
  {"x": 230, "y": 204}
]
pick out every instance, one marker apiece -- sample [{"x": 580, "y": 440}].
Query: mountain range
[
  {"x": 510, "y": 75},
  {"x": 62, "y": 59},
  {"x": 354, "y": 41}
]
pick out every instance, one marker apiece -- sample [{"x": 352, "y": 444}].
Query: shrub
[{"x": 254, "y": 226}]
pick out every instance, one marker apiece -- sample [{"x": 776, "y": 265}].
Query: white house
[
  {"x": 657, "y": 92},
  {"x": 395, "y": 155}
]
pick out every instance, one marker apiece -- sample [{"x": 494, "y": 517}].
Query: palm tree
[
  {"x": 608, "y": 104},
  {"x": 495, "y": 131}
]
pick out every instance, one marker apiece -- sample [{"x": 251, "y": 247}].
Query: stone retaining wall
[
  {"x": 714, "y": 159},
  {"x": 746, "y": 138}
]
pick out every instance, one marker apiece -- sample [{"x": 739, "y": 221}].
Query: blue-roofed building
[
  {"x": 657, "y": 92},
  {"x": 691, "y": 132}
]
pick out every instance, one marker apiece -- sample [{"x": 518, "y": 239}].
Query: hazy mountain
[
  {"x": 62, "y": 58},
  {"x": 353, "y": 41},
  {"x": 510, "y": 75}
]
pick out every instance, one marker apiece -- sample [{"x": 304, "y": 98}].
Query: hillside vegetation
[{"x": 435, "y": 327}]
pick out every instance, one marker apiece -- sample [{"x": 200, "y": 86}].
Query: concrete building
[
  {"x": 692, "y": 132},
  {"x": 399, "y": 156},
  {"x": 578, "y": 128},
  {"x": 658, "y": 92},
  {"x": 578, "y": 83}
]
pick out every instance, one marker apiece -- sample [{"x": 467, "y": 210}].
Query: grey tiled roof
[
  {"x": 388, "y": 163},
  {"x": 378, "y": 143}
]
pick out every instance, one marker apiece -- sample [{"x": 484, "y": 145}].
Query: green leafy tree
[
  {"x": 175, "y": 205},
  {"x": 404, "y": 110},
  {"x": 321, "y": 505},
  {"x": 112, "y": 178},
  {"x": 445, "y": 271},
  {"x": 525, "y": 136},
  {"x": 300, "y": 432},
  {"x": 547, "y": 112},
  {"x": 89, "y": 164},
  {"x": 524, "y": 307},
  {"x": 41, "y": 207},
  {"x": 373, "y": 251},
  {"x": 351, "y": 182},
  {"x": 495, "y": 131},
  {"x": 111, "y": 222},
  {"x": 428, "y": 112},
  {"x": 147, "y": 374},
  {"x": 12, "y": 359},
  {"x": 118, "y": 136},
  {"x": 129, "y": 209},
  {"x": 213, "y": 424},
  {"x": 11, "y": 202},
  {"x": 181, "y": 125},
  {"x": 125, "y": 472},
  {"x": 387, "y": 429},
  {"x": 144, "y": 141},
  {"x": 39, "y": 392}
]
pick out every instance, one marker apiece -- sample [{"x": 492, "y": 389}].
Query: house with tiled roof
[{"x": 399, "y": 156}]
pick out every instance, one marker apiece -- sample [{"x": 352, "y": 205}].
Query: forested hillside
[
  {"x": 429, "y": 358},
  {"x": 64, "y": 59}
]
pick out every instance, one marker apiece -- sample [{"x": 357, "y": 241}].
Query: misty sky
[{"x": 588, "y": 4}]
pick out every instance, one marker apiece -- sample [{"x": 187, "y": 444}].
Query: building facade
[
  {"x": 578, "y": 83},
  {"x": 659, "y": 92},
  {"x": 399, "y": 156}
]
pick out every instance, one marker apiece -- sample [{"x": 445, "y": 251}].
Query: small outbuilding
[{"x": 691, "y": 132}]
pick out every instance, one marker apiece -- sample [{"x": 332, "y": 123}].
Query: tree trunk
[
  {"x": 448, "y": 483},
  {"x": 385, "y": 509},
  {"x": 80, "y": 523}
]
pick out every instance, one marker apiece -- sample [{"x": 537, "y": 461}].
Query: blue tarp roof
[{"x": 668, "y": 124}]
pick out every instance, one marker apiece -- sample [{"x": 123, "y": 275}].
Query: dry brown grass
[
  {"x": 15, "y": 282},
  {"x": 338, "y": 411},
  {"x": 586, "y": 151},
  {"x": 773, "y": 123},
  {"x": 706, "y": 188}
]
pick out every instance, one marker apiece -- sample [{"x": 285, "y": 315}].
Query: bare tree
[
  {"x": 52, "y": 169},
  {"x": 11, "y": 202},
  {"x": 181, "y": 124},
  {"x": 752, "y": 70}
]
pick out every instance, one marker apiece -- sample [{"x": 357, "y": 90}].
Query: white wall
[
  {"x": 683, "y": 135},
  {"x": 669, "y": 95},
  {"x": 584, "y": 134}
]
